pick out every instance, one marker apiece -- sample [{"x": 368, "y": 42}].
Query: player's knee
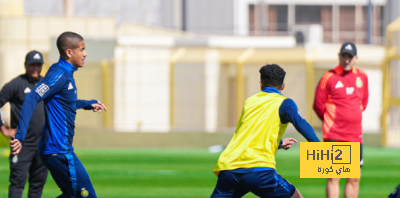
[
  {"x": 355, "y": 181},
  {"x": 333, "y": 180},
  {"x": 18, "y": 182}
]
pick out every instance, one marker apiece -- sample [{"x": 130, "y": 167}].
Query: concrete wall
[{"x": 141, "y": 89}]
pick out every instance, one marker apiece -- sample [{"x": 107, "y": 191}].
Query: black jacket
[{"x": 15, "y": 92}]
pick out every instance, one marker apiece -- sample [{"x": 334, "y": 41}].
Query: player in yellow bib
[{"x": 248, "y": 162}]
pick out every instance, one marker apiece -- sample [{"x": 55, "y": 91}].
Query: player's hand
[
  {"x": 97, "y": 107},
  {"x": 287, "y": 143},
  {"x": 15, "y": 146},
  {"x": 8, "y": 132}
]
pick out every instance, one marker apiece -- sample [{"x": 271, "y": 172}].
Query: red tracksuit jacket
[{"x": 340, "y": 99}]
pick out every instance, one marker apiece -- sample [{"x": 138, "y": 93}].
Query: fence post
[
  {"x": 173, "y": 59},
  {"x": 240, "y": 79},
  {"x": 106, "y": 84},
  {"x": 385, "y": 99},
  {"x": 310, "y": 90}
]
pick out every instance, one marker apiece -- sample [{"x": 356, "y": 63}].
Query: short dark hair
[
  {"x": 68, "y": 40},
  {"x": 272, "y": 75}
]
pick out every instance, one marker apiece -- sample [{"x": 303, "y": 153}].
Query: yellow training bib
[{"x": 257, "y": 135}]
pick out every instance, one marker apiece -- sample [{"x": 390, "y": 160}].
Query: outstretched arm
[
  {"x": 94, "y": 105},
  {"x": 287, "y": 143},
  {"x": 288, "y": 112},
  {"x": 97, "y": 107}
]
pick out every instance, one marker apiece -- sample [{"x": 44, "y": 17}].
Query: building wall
[
  {"x": 141, "y": 89},
  {"x": 11, "y": 8},
  {"x": 151, "y": 12},
  {"x": 210, "y": 17},
  {"x": 190, "y": 97},
  {"x": 340, "y": 22},
  {"x": 232, "y": 17},
  {"x": 391, "y": 11}
]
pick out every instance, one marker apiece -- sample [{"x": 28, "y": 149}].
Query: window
[
  {"x": 308, "y": 14},
  {"x": 282, "y": 17}
]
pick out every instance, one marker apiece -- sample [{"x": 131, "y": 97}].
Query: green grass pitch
[{"x": 176, "y": 173}]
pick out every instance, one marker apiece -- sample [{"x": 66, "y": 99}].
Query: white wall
[
  {"x": 141, "y": 101},
  {"x": 372, "y": 115}
]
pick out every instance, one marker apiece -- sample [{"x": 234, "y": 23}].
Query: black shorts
[{"x": 361, "y": 149}]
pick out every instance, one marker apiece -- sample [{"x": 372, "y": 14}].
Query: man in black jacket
[{"x": 27, "y": 162}]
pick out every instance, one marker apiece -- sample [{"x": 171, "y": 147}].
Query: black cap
[
  {"x": 349, "y": 48},
  {"x": 33, "y": 57}
]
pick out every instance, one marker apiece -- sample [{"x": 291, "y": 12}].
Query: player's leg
[
  {"x": 57, "y": 164},
  {"x": 269, "y": 184},
  {"x": 332, "y": 188},
  {"x": 84, "y": 187},
  {"x": 332, "y": 185},
  {"x": 351, "y": 188},
  {"x": 37, "y": 175},
  {"x": 228, "y": 186},
  {"x": 19, "y": 166}
]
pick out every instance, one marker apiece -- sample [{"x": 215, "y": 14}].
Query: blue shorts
[
  {"x": 69, "y": 174},
  {"x": 395, "y": 193},
  {"x": 262, "y": 183}
]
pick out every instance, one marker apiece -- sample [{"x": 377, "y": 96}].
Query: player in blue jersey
[{"x": 59, "y": 92}]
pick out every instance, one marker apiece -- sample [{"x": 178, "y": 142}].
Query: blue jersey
[
  {"x": 59, "y": 92},
  {"x": 288, "y": 112}
]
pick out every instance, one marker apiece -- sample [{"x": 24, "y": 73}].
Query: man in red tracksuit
[{"x": 340, "y": 98}]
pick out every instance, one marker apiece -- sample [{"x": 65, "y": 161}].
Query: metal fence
[{"x": 391, "y": 87}]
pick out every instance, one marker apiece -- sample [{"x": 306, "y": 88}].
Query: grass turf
[{"x": 150, "y": 173}]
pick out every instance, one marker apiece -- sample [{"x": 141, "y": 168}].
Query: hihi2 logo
[{"x": 329, "y": 160}]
